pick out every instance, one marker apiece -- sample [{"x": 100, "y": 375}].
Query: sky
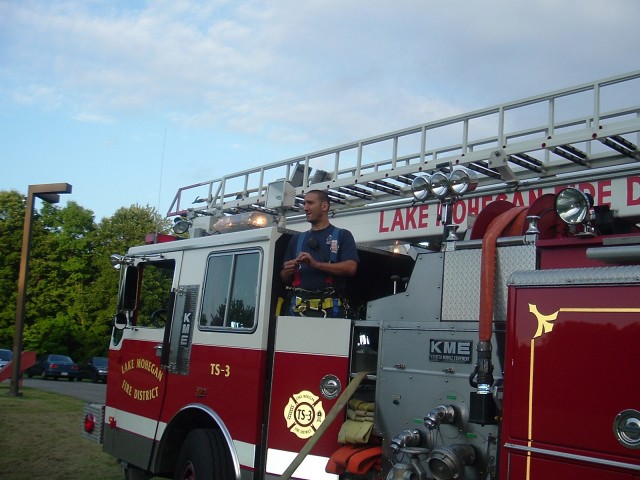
[{"x": 129, "y": 100}]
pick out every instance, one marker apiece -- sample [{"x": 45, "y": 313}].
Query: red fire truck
[{"x": 495, "y": 326}]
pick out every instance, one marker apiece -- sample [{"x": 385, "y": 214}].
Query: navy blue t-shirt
[{"x": 319, "y": 243}]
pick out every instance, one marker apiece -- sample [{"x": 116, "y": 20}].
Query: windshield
[
  {"x": 60, "y": 358},
  {"x": 100, "y": 361},
  {"x": 6, "y": 355}
]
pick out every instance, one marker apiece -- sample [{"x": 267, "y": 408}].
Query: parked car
[
  {"x": 95, "y": 369},
  {"x": 55, "y": 366},
  {"x": 5, "y": 357}
]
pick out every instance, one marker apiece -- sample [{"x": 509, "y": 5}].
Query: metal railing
[{"x": 570, "y": 133}]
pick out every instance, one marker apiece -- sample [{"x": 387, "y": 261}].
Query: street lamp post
[{"x": 49, "y": 193}]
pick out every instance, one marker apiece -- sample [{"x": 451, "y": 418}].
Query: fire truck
[{"x": 494, "y": 329}]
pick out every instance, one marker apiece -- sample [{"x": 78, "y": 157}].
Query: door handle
[{"x": 158, "y": 349}]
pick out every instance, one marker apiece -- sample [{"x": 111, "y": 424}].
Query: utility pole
[{"x": 49, "y": 193}]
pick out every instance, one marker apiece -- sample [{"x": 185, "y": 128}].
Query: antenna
[{"x": 164, "y": 141}]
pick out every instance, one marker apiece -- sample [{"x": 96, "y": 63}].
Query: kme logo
[{"x": 456, "y": 351}]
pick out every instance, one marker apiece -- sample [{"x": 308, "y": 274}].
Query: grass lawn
[{"x": 41, "y": 438}]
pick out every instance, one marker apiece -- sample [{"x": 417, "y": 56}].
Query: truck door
[
  {"x": 310, "y": 370},
  {"x": 139, "y": 353}
]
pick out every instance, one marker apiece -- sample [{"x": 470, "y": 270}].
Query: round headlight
[
  {"x": 572, "y": 205},
  {"x": 439, "y": 184},
  {"x": 421, "y": 187},
  {"x": 462, "y": 181}
]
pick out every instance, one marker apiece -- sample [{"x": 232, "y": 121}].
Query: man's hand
[
  {"x": 305, "y": 258},
  {"x": 288, "y": 269}
]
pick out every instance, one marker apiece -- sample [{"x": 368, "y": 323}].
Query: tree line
[{"x": 72, "y": 287}]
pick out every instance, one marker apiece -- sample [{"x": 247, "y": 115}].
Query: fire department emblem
[{"x": 304, "y": 414}]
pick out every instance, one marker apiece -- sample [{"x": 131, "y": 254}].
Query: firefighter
[{"x": 318, "y": 262}]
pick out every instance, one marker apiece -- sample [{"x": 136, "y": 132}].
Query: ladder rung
[
  {"x": 336, "y": 197},
  {"x": 527, "y": 161},
  {"x": 483, "y": 168},
  {"x": 356, "y": 191},
  {"x": 624, "y": 142},
  {"x": 572, "y": 154},
  {"x": 406, "y": 179},
  {"x": 384, "y": 187},
  {"x": 260, "y": 208},
  {"x": 235, "y": 210},
  {"x": 622, "y": 145}
]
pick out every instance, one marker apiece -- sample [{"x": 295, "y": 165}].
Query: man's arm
[{"x": 347, "y": 268}]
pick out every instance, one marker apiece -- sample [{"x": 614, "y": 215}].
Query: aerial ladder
[{"x": 567, "y": 136}]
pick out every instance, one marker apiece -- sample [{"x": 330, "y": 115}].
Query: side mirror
[
  {"x": 128, "y": 288},
  {"x": 120, "y": 321}
]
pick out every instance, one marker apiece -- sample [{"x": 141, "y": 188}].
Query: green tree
[
  {"x": 12, "y": 207},
  {"x": 62, "y": 267},
  {"x": 72, "y": 286},
  {"x": 130, "y": 226},
  {"x": 126, "y": 228}
]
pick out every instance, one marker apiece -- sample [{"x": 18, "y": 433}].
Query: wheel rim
[{"x": 188, "y": 473}]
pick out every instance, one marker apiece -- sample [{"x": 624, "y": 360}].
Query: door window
[
  {"x": 155, "y": 280},
  {"x": 231, "y": 291}
]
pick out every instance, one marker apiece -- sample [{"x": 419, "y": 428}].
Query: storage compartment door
[{"x": 307, "y": 350}]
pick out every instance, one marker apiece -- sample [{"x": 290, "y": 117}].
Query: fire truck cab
[
  {"x": 494, "y": 326},
  {"x": 220, "y": 363}
]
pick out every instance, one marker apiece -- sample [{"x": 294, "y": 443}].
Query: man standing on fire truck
[{"x": 318, "y": 262}]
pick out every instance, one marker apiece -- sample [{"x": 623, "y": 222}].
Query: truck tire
[
  {"x": 129, "y": 472},
  {"x": 204, "y": 456}
]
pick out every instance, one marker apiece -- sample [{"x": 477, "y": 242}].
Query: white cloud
[
  {"x": 291, "y": 70},
  {"x": 92, "y": 118},
  {"x": 41, "y": 95}
]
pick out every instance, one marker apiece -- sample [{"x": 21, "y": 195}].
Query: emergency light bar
[{"x": 242, "y": 221}]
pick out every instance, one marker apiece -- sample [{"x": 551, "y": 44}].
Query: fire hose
[{"x": 482, "y": 376}]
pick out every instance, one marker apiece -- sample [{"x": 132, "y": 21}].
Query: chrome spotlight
[
  {"x": 439, "y": 184},
  {"x": 573, "y": 206},
  {"x": 181, "y": 225},
  {"x": 421, "y": 187},
  {"x": 462, "y": 181}
]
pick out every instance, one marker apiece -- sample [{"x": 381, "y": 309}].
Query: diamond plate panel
[
  {"x": 626, "y": 275},
  {"x": 461, "y": 286}
]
